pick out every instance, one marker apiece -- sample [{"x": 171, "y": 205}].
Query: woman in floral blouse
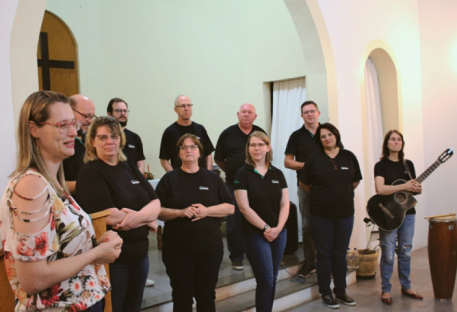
[{"x": 51, "y": 254}]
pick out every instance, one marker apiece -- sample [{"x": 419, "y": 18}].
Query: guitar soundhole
[{"x": 400, "y": 197}]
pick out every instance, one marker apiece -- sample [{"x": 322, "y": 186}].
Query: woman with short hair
[
  {"x": 109, "y": 182},
  {"x": 263, "y": 197},
  {"x": 194, "y": 199}
]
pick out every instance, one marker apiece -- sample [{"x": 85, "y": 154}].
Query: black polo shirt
[
  {"x": 331, "y": 180},
  {"x": 264, "y": 194},
  {"x": 178, "y": 190},
  {"x": 133, "y": 148},
  {"x": 171, "y": 136},
  {"x": 301, "y": 144},
  {"x": 394, "y": 170},
  {"x": 231, "y": 148},
  {"x": 101, "y": 186}
]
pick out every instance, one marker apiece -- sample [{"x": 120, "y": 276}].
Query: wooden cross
[{"x": 46, "y": 64}]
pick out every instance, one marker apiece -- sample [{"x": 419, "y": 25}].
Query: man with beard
[
  {"x": 168, "y": 154},
  {"x": 133, "y": 148},
  {"x": 84, "y": 111},
  {"x": 230, "y": 156}
]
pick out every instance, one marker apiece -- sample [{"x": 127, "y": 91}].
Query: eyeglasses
[
  {"x": 310, "y": 112},
  {"x": 184, "y": 105},
  {"x": 86, "y": 116},
  {"x": 120, "y": 111},
  {"x": 185, "y": 147},
  {"x": 104, "y": 137},
  {"x": 254, "y": 145},
  {"x": 64, "y": 126},
  {"x": 334, "y": 164}
]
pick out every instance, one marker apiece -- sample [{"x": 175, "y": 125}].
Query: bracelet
[{"x": 265, "y": 227}]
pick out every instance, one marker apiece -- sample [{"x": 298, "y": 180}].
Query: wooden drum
[{"x": 442, "y": 255}]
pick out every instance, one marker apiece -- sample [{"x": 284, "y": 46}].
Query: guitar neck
[{"x": 428, "y": 172}]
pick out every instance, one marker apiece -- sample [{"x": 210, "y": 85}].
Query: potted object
[
  {"x": 148, "y": 175},
  {"x": 368, "y": 260}
]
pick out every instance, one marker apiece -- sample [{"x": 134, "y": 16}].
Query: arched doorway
[{"x": 57, "y": 57}]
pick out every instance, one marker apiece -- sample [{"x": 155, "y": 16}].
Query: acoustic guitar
[{"x": 388, "y": 211}]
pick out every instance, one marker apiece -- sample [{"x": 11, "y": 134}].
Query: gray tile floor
[{"x": 367, "y": 293}]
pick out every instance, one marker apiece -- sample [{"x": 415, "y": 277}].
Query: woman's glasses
[{"x": 64, "y": 126}]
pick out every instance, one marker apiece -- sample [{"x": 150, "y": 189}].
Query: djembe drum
[{"x": 442, "y": 254}]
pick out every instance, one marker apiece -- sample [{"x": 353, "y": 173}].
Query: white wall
[
  {"x": 148, "y": 52},
  {"x": 350, "y": 26},
  {"x": 438, "y": 35}
]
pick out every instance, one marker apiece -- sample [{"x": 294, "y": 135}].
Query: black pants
[{"x": 193, "y": 275}]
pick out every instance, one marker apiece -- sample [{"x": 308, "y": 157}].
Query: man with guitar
[{"x": 391, "y": 169}]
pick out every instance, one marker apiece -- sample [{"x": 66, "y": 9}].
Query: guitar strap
[{"x": 407, "y": 168}]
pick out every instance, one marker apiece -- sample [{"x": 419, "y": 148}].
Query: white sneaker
[{"x": 149, "y": 282}]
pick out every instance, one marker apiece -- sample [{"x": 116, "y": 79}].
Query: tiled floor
[{"x": 367, "y": 293}]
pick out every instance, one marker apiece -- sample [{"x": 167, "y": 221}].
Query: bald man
[
  {"x": 230, "y": 156},
  {"x": 84, "y": 110},
  {"x": 168, "y": 153}
]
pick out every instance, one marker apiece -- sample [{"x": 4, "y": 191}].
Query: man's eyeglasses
[
  {"x": 104, "y": 137},
  {"x": 64, "y": 126},
  {"x": 185, "y": 147},
  {"x": 254, "y": 145},
  {"x": 86, "y": 116},
  {"x": 184, "y": 105},
  {"x": 310, "y": 112},
  {"x": 120, "y": 111}
]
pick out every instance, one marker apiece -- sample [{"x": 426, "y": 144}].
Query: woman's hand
[
  {"x": 131, "y": 220},
  {"x": 271, "y": 233},
  {"x": 413, "y": 186},
  {"x": 190, "y": 212},
  {"x": 201, "y": 212},
  {"x": 152, "y": 226},
  {"x": 109, "y": 247}
]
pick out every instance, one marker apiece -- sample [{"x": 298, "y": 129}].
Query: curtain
[
  {"x": 375, "y": 129},
  {"x": 288, "y": 96}
]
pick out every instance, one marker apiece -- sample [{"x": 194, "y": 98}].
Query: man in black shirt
[
  {"x": 84, "y": 111},
  {"x": 230, "y": 156},
  {"x": 300, "y": 146},
  {"x": 133, "y": 148},
  {"x": 168, "y": 153}
]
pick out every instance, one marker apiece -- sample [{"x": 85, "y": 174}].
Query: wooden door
[{"x": 57, "y": 57}]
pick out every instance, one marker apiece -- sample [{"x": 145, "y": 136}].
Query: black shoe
[
  {"x": 330, "y": 302},
  {"x": 237, "y": 265},
  {"x": 306, "y": 270},
  {"x": 345, "y": 299}
]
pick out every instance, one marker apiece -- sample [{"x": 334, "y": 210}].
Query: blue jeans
[
  {"x": 405, "y": 235},
  {"x": 235, "y": 241},
  {"x": 308, "y": 241},
  {"x": 265, "y": 259},
  {"x": 128, "y": 282},
  {"x": 331, "y": 237}
]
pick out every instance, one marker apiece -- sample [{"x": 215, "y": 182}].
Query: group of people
[{"x": 72, "y": 163}]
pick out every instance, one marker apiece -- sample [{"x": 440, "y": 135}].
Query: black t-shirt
[
  {"x": 394, "y": 170},
  {"x": 73, "y": 164},
  {"x": 178, "y": 190},
  {"x": 264, "y": 194},
  {"x": 231, "y": 148},
  {"x": 301, "y": 144},
  {"x": 331, "y": 180},
  {"x": 101, "y": 186},
  {"x": 171, "y": 136},
  {"x": 133, "y": 148}
]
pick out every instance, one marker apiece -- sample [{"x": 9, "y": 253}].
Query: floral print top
[{"x": 68, "y": 233}]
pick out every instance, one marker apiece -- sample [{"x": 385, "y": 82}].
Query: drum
[{"x": 442, "y": 255}]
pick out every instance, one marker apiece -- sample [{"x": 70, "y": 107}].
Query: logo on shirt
[
  {"x": 203, "y": 188},
  {"x": 135, "y": 182},
  {"x": 344, "y": 168},
  {"x": 198, "y": 138},
  {"x": 236, "y": 182},
  {"x": 275, "y": 181},
  {"x": 131, "y": 146}
]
